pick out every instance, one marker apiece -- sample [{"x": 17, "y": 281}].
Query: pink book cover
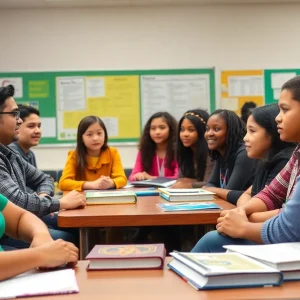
[{"x": 115, "y": 253}]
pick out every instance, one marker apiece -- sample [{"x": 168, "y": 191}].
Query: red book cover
[{"x": 118, "y": 257}]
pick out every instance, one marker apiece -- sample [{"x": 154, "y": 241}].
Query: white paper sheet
[
  {"x": 239, "y": 86},
  {"x": 278, "y": 79},
  {"x": 37, "y": 283},
  {"x": 229, "y": 103},
  {"x": 48, "y": 127},
  {"x": 71, "y": 93}
]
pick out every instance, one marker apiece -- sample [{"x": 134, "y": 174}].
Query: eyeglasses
[{"x": 15, "y": 113}]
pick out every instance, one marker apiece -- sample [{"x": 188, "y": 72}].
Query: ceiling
[{"x": 103, "y": 3}]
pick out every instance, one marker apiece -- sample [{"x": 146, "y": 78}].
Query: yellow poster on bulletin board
[
  {"x": 114, "y": 98},
  {"x": 240, "y": 86}
]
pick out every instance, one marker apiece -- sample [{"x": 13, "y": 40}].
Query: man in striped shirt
[{"x": 16, "y": 173}]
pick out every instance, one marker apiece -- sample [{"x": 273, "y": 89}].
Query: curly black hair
[{"x": 236, "y": 131}]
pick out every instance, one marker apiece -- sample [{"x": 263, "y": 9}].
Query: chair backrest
[
  {"x": 59, "y": 173},
  {"x": 127, "y": 172},
  {"x": 52, "y": 173}
]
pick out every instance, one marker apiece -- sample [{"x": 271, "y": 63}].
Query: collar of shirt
[
  {"x": 27, "y": 156},
  {"x": 104, "y": 158},
  {"x": 297, "y": 151}
]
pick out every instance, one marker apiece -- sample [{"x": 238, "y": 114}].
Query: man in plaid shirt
[{"x": 16, "y": 173}]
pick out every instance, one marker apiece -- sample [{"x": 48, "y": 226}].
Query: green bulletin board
[
  {"x": 274, "y": 79},
  {"x": 123, "y": 99}
]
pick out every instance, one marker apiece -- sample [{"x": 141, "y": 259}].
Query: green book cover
[{"x": 111, "y": 197}]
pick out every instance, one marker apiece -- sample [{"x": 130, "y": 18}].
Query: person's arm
[
  {"x": 138, "y": 167},
  {"x": 282, "y": 228},
  {"x": 254, "y": 205},
  {"x": 238, "y": 178},
  {"x": 220, "y": 193},
  {"x": 174, "y": 170},
  {"x": 236, "y": 225},
  {"x": 214, "y": 179},
  {"x": 117, "y": 174},
  {"x": 37, "y": 180},
  {"x": 242, "y": 172},
  {"x": 24, "y": 225},
  {"x": 245, "y": 197},
  {"x": 183, "y": 183},
  {"x": 67, "y": 181},
  {"x": 208, "y": 170},
  {"x": 39, "y": 206},
  {"x": 285, "y": 226},
  {"x": 260, "y": 217},
  {"x": 263, "y": 216},
  {"x": 263, "y": 177},
  {"x": 273, "y": 195}
]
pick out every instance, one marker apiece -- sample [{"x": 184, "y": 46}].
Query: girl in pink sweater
[{"x": 156, "y": 156}]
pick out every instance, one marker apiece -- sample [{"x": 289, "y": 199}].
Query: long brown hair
[
  {"x": 147, "y": 146},
  {"x": 81, "y": 150}
]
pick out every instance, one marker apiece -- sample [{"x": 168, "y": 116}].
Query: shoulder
[
  {"x": 3, "y": 202},
  {"x": 285, "y": 154},
  {"x": 239, "y": 157},
  {"x": 112, "y": 150},
  {"x": 72, "y": 153},
  {"x": 14, "y": 146},
  {"x": 31, "y": 153},
  {"x": 241, "y": 149},
  {"x": 240, "y": 152},
  {"x": 281, "y": 158}
]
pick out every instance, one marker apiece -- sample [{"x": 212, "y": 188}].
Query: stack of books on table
[
  {"x": 284, "y": 257},
  {"x": 120, "y": 257},
  {"x": 180, "y": 195},
  {"x": 114, "y": 197},
  {"x": 223, "y": 270},
  {"x": 240, "y": 266}
]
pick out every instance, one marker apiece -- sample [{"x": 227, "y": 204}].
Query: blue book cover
[{"x": 187, "y": 206}]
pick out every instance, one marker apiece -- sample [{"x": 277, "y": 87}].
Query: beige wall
[{"x": 228, "y": 37}]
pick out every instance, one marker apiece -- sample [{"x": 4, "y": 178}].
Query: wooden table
[
  {"x": 160, "y": 284},
  {"x": 143, "y": 213}
]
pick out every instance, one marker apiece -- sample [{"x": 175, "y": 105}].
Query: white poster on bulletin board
[{"x": 174, "y": 93}]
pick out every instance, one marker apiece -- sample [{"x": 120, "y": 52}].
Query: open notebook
[{"x": 36, "y": 283}]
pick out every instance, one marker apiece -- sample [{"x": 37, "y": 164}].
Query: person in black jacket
[
  {"x": 263, "y": 142},
  {"x": 233, "y": 170}
]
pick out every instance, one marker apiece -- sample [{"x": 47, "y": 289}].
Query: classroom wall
[{"x": 228, "y": 37}]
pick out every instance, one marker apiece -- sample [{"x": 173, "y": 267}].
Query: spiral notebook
[{"x": 35, "y": 283}]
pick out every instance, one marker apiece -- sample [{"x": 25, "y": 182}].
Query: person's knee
[{"x": 210, "y": 242}]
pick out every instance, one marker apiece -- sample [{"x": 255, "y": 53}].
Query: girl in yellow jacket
[{"x": 93, "y": 165}]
